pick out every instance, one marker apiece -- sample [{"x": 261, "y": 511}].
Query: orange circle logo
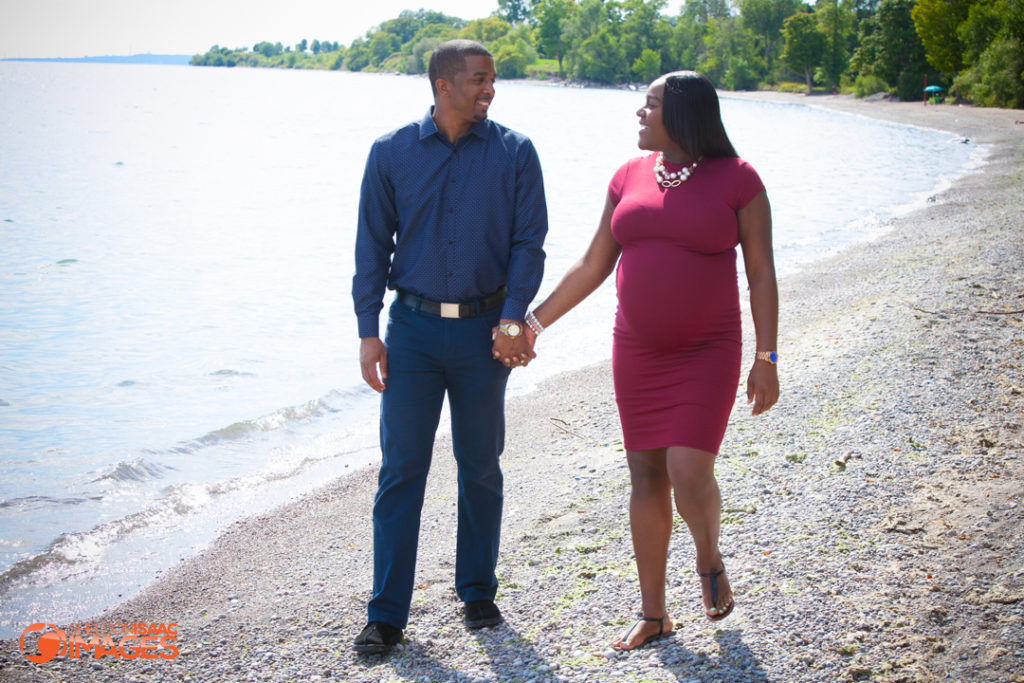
[{"x": 49, "y": 644}]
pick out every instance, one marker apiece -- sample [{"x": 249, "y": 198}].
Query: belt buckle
[{"x": 449, "y": 310}]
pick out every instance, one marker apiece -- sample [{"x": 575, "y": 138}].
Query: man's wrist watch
[
  {"x": 770, "y": 356},
  {"x": 511, "y": 330}
]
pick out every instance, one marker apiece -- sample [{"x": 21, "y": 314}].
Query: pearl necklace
[{"x": 671, "y": 179}]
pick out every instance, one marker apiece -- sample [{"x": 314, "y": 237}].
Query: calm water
[{"x": 177, "y": 343}]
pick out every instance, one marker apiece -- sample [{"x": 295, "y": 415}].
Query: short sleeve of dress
[
  {"x": 618, "y": 183},
  {"x": 748, "y": 184}
]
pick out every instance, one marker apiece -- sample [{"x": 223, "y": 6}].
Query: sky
[
  {"x": 90, "y": 28},
  {"x": 80, "y": 28}
]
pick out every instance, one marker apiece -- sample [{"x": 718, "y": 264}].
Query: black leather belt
[{"x": 464, "y": 309}]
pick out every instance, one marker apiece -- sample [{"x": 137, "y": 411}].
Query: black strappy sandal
[
  {"x": 649, "y": 639},
  {"x": 713, "y": 578}
]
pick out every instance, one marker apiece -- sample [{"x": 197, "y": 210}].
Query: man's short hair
[{"x": 449, "y": 58}]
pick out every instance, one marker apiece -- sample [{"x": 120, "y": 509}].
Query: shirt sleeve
[
  {"x": 526, "y": 258},
  {"x": 748, "y": 184},
  {"x": 617, "y": 184},
  {"x": 375, "y": 241}
]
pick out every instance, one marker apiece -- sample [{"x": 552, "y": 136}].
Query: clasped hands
[
  {"x": 373, "y": 355},
  {"x": 514, "y": 352}
]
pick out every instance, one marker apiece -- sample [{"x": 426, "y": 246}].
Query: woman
[{"x": 675, "y": 217}]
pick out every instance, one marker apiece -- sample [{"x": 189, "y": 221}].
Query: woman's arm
[
  {"x": 755, "y": 227},
  {"x": 585, "y": 275}
]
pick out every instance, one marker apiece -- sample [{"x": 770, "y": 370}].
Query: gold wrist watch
[
  {"x": 770, "y": 356},
  {"x": 511, "y": 330}
]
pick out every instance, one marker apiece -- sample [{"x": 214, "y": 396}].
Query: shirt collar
[{"x": 428, "y": 127}]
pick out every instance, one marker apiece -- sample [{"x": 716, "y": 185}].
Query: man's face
[{"x": 472, "y": 89}]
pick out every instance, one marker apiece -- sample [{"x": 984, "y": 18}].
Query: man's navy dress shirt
[{"x": 449, "y": 222}]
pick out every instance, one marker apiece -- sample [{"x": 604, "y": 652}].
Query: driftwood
[{"x": 967, "y": 310}]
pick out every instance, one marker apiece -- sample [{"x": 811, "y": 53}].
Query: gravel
[{"x": 871, "y": 522}]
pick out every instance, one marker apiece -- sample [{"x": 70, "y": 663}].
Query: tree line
[{"x": 972, "y": 49}]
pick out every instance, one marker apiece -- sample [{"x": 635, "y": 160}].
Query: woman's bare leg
[
  {"x": 650, "y": 521},
  {"x": 699, "y": 502}
]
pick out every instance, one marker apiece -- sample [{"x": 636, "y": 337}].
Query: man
[{"x": 451, "y": 216}]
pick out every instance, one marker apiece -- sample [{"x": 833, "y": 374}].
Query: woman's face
[{"x": 653, "y": 135}]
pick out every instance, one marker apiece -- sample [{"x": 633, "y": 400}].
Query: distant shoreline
[{"x": 164, "y": 60}]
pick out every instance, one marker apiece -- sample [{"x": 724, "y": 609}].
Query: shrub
[
  {"x": 910, "y": 86},
  {"x": 790, "y": 86},
  {"x": 740, "y": 75},
  {"x": 510, "y": 62},
  {"x": 543, "y": 70},
  {"x": 996, "y": 79},
  {"x": 869, "y": 84}
]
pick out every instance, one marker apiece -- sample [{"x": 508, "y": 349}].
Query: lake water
[{"x": 177, "y": 342}]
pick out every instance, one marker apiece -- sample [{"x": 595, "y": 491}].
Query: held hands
[
  {"x": 373, "y": 355},
  {"x": 513, "y": 352},
  {"x": 762, "y": 387}
]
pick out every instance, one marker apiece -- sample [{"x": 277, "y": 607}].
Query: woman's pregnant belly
[{"x": 670, "y": 296}]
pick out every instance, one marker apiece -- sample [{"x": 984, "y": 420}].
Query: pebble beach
[{"x": 872, "y": 521}]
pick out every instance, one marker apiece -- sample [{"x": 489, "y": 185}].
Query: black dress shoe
[
  {"x": 481, "y": 613},
  {"x": 377, "y": 638}
]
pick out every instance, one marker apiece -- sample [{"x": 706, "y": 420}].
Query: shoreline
[{"x": 888, "y": 369}]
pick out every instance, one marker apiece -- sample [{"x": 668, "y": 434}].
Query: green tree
[
  {"x": 936, "y": 22},
  {"x": 643, "y": 28},
  {"x": 382, "y": 45},
  {"x": 408, "y": 23},
  {"x": 701, "y": 11},
  {"x": 513, "y": 53},
  {"x": 993, "y": 41},
  {"x": 647, "y": 66},
  {"x": 441, "y": 32},
  {"x": 804, "y": 45},
  {"x": 836, "y": 19},
  {"x": 687, "y": 40},
  {"x": 590, "y": 33},
  {"x": 601, "y": 60},
  {"x": 984, "y": 23},
  {"x": 899, "y": 48},
  {"x": 267, "y": 49},
  {"x": 685, "y": 44},
  {"x": 419, "y": 56},
  {"x": 730, "y": 58},
  {"x": 513, "y": 11},
  {"x": 301, "y": 45},
  {"x": 357, "y": 57},
  {"x": 551, "y": 16},
  {"x": 864, "y": 60},
  {"x": 765, "y": 18},
  {"x": 882, "y": 39},
  {"x": 337, "y": 61},
  {"x": 485, "y": 31},
  {"x": 995, "y": 80}
]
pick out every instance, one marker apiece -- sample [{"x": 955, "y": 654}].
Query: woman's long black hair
[{"x": 692, "y": 117}]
